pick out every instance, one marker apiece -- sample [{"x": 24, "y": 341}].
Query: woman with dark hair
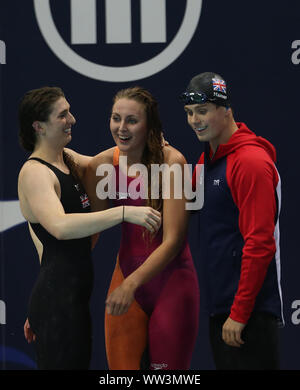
[
  {"x": 56, "y": 206},
  {"x": 152, "y": 308}
]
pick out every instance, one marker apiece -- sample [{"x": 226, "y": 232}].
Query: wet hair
[
  {"x": 36, "y": 105},
  {"x": 153, "y": 152}
]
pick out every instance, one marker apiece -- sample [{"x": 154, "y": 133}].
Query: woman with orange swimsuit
[{"x": 152, "y": 308}]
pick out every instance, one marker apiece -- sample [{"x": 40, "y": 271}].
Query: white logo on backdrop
[
  {"x": 296, "y": 314},
  {"x": 2, "y": 53},
  {"x": 296, "y": 54},
  {"x": 2, "y": 313},
  {"x": 10, "y": 214},
  {"x": 118, "y": 30}
]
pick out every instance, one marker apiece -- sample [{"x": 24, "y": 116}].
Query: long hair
[
  {"x": 37, "y": 105},
  {"x": 153, "y": 151}
]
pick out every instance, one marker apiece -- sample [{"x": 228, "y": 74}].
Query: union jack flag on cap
[{"x": 219, "y": 85}]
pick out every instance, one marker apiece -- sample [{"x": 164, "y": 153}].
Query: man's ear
[{"x": 228, "y": 109}]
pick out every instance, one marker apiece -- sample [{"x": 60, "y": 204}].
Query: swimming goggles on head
[{"x": 194, "y": 98}]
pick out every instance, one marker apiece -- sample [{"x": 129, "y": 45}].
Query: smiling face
[
  {"x": 128, "y": 125},
  {"x": 57, "y": 129},
  {"x": 210, "y": 122}
]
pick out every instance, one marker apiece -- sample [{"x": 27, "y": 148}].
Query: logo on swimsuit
[
  {"x": 84, "y": 201},
  {"x": 158, "y": 366},
  {"x": 118, "y": 30},
  {"x": 122, "y": 195},
  {"x": 2, "y": 53}
]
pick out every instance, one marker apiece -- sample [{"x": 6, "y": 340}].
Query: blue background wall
[{"x": 248, "y": 42}]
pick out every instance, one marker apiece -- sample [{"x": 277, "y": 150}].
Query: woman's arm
[
  {"x": 90, "y": 179},
  {"x": 39, "y": 201},
  {"x": 175, "y": 222}
]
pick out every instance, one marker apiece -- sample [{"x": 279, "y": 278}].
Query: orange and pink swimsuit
[{"x": 160, "y": 328}]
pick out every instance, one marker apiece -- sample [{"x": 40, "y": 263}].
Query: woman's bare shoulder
[
  {"x": 173, "y": 155},
  {"x": 32, "y": 170},
  {"x": 104, "y": 157}
]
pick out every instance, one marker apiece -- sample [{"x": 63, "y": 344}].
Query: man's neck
[{"x": 226, "y": 135}]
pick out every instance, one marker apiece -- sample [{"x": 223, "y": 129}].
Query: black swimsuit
[{"x": 59, "y": 312}]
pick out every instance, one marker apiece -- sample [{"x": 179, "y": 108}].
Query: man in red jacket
[{"x": 239, "y": 231}]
